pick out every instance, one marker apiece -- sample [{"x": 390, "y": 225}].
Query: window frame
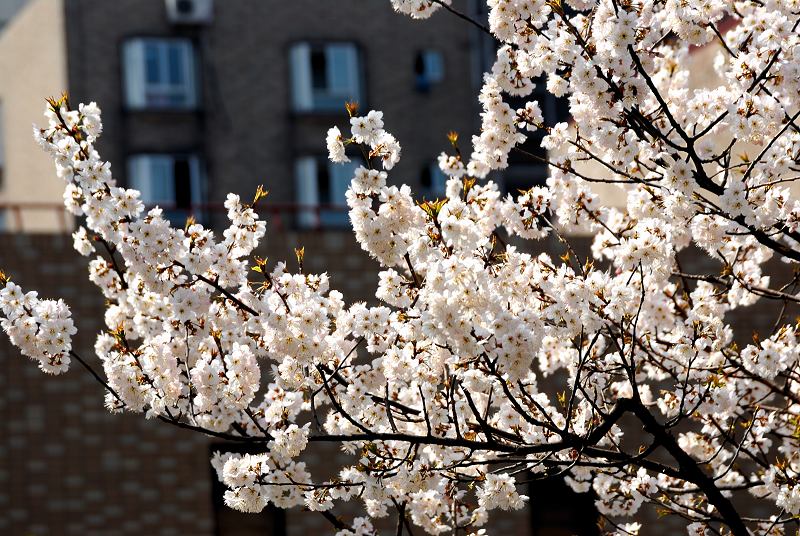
[
  {"x": 197, "y": 182},
  {"x": 438, "y": 187},
  {"x": 302, "y": 98},
  {"x": 137, "y": 91},
  {"x": 312, "y": 211},
  {"x": 433, "y": 72}
]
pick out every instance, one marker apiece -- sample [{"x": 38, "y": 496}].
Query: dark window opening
[
  {"x": 324, "y": 184},
  {"x": 426, "y": 178},
  {"x": 183, "y": 184},
  {"x": 319, "y": 74},
  {"x": 185, "y": 7},
  {"x": 432, "y": 181},
  {"x": 556, "y": 510},
  {"x": 171, "y": 181},
  {"x": 428, "y": 69},
  {"x": 419, "y": 65}
]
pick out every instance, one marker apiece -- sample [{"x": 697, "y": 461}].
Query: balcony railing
[{"x": 19, "y": 217}]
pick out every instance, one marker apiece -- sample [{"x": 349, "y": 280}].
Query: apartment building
[{"x": 203, "y": 98}]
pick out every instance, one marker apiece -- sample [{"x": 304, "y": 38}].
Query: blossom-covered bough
[{"x": 485, "y": 366}]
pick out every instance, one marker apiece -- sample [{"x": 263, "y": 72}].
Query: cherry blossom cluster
[
  {"x": 41, "y": 329},
  {"x": 484, "y": 362},
  {"x": 418, "y": 9}
]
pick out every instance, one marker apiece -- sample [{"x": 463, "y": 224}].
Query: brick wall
[{"x": 67, "y": 466}]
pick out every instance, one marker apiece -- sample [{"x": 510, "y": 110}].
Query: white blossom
[{"x": 482, "y": 360}]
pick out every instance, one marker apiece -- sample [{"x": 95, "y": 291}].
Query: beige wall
[
  {"x": 701, "y": 75},
  {"x": 32, "y": 67}
]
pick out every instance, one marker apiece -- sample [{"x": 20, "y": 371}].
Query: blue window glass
[
  {"x": 151, "y": 64},
  {"x": 159, "y": 73}
]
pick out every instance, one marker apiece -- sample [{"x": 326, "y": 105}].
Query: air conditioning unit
[{"x": 190, "y": 11}]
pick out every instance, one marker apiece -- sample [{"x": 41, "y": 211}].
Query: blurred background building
[{"x": 202, "y": 98}]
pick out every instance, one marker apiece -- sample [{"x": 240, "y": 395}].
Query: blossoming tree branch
[{"x": 442, "y": 396}]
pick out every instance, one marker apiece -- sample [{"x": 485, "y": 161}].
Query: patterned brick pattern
[{"x": 66, "y": 465}]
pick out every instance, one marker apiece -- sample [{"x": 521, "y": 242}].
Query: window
[
  {"x": 324, "y": 76},
  {"x": 556, "y": 510},
  {"x": 320, "y": 188},
  {"x": 428, "y": 70},
  {"x": 433, "y": 182},
  {"x": 170, "y": 181},
  {"x": 159, "y": 74},
  {"x": 526, "y": 166}
]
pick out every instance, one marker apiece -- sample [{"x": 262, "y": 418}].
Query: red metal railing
[
  {"x": 20, "y": 216},
  {"x": 14, "y": 215}
]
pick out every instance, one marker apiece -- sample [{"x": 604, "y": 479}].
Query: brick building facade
[{"x": 241, "y": 97}]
